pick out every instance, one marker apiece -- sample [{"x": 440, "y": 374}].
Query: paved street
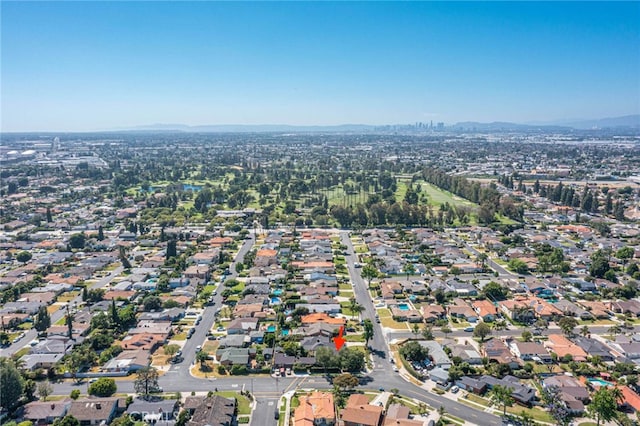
[
  {"x": 181, "y": 371},
  {"x": 32, "y": 334}
]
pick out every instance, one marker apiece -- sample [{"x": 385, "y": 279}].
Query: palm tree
[
  {"x": 356, "y": 310},
  {"x": 445, "y": 329},
  {"x": 585, "y": 331},
  {"x": 614, "y": 330},
  {"x": 482, "y": 260},
  {"x": 502, "y": 395}
]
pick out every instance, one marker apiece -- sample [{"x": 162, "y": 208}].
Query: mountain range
[{"x": 627, "y": 121}]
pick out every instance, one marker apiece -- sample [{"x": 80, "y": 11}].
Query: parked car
[
  {"x": 469, "y": 329},
  {"x": 455, "y": 389}
]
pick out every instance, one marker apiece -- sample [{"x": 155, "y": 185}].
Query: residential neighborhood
[{"x": 206, "y": 296}]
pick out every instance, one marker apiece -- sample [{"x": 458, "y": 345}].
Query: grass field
[{"x": 437, "y": 196}]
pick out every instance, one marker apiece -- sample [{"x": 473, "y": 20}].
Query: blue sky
[{"x": 76, "y": 66}]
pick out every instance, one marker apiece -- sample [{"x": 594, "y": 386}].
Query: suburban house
[
  {"x": 358, "y": 412},
  {"x": 437, "y": 354},
  {"x": 44, "y": 413},
  {"x": 530, "y": 351},
  {"x": 467, "y": 353},
  {"x": 128, "y": 361},
  {"x": 562, "y": 346},
  {"x": 521, "y": 393},
  {"x": 486, "y": 310},
  {"x": 233, "y": 356},
  {"x": 398, "y": 415},
  {"x": 242, "y": 325},
  {"x": 573, "y": 392},
  {"x": 94, "y": 411},
  {"x": 460, "y": 309},
  {"x": 214, "y": 411},
  {"x": 316, "y": 408},
  {"x": 158, "y": 412},
  {"x": 431, "y": 313},
  {"x": 497, "y": 351}
]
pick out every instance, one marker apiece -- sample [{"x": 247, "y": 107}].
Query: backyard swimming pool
[
  {"x": 271, "y": 329},
  {"x": 599, "y": 382},
  {"x": 403, "y": 306}
]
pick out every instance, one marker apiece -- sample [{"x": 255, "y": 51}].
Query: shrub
[
  {"x": 238, "y": 370},
  {"x": 104, "y": 386}
]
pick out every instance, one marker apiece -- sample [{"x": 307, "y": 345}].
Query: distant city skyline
[{"x": 95, "y": 66}]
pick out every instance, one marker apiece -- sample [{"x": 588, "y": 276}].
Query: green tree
[
  {"x": 603, "y": 406},
  {"x": 11, "y": 384},
  {"x": 202, "y": 357},
  {"x": 146, "y": 380},
  {"x": 502, "y": 395},
  {"x": 327, "y": 359},
  {"x": 351, "y": 359},
  {"x": 77, "y": 241},
  {"x": 599, "y": 264},
  {"x": 445, "y": 329},
  {"x": 29, "y": 389},
  {"x": 625, "y": 253},
  {"x": 171, "y": 349},
  {"x": 152, "y": 303},
  {"x": 67, "y": 420},
  {"x": 355, "y": 307},
  {"x": 368, "y": 330},
  {"x": 427, "y": 332},
  {"x": 494, "y": 291},
  {"x": 567, "y": 325},
  {"x": 518, "y": 266},
  {"x": 481, "y": 331},
  {"x": 44, "y": 390},
  {"x": 43, "y": 320},
  {"x": 104, "y": 386},
  {"x": 527, "y": 336},
  {"x": 414, "y": 351},
  {"x": 409, "y": 269},
  {"x": 171, "y": 249},
  {"x": 346, "y": 381},
  {"x": 369, "y": 272},
  {"x": 23, "y": 256},
  {"x": 75, "y": 394}
]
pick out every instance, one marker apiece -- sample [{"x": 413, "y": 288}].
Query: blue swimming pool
[
  {"x": 403, "y": 306},
  {"x": 271, "y": 329},
  {"x": 277, "y": 291},
  {"x": 285, "y": 332},
  {"x": 599, "y": 382},
  {"x": 275, "y": 301}
]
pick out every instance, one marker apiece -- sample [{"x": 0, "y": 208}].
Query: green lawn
[
  {"x": 478, "y": 399},
  {"x": 244, "y": 405},
  {"x": 345, "y": 286},
  {"x": 354, "y": 338},
  {"x": 439, "y": 196},
  {"x": 535, "y": 413}
]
